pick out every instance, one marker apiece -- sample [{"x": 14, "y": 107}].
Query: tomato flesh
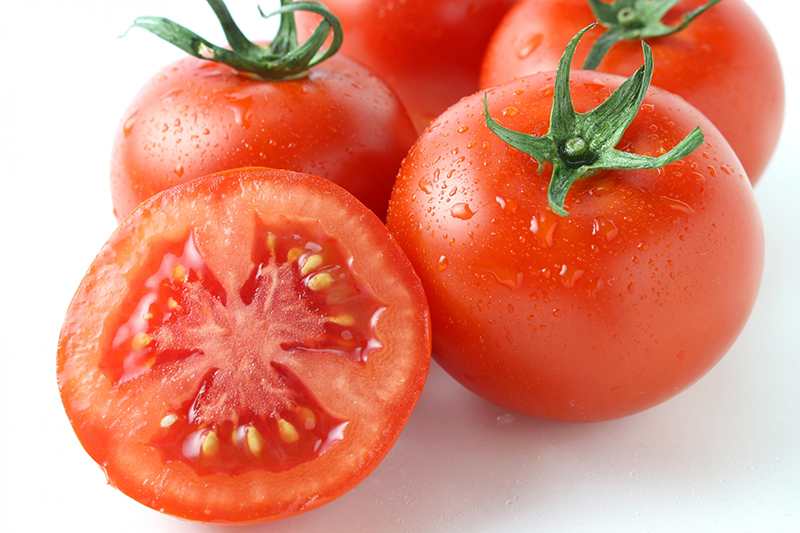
[{"x": 240, "y": 334}]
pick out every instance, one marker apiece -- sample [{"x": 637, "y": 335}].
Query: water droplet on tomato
[
  {"x": 463, "y": 129},
  {"x": 240, "y": 105},
  {"x": 129, "y": 123},
  {"x": 462, "y": 211},
  {"x": 569, "y": 275},
  {"x": 677, "y": 205},
  {"x": 442, "y": 264},
  {"x": 426, "y": 185},
  {"x": 543, "y": 226},
  {"x": 604, "y": 229},
  {"x": 530, "y": 46},
  {"x": 508, "y": 205},
  {"x": 510, "y": 111},
  {"x": 178, "y": 170}
]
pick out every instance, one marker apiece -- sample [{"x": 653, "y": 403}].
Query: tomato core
[{"x": 247, "y": 411}]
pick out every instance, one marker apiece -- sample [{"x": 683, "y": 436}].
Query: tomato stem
[
  {"x": 284, "y": 59},
  {"x": 634, "y": 19},
  {"x": 579, "y": 144}
]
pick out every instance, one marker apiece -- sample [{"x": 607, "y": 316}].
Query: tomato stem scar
[
  {"x": 579, "y": 144},
  {"x": 285, "y": 58},
  {"x": 634, "y": 19}
]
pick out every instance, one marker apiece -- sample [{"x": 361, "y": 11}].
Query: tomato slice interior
[{"x": 234, "y": 353}]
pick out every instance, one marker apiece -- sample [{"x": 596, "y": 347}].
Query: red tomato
[
  {"x": 196, "y": 117},
  {"x": 600, "y": 314},
  {"x": 724, "y": 63},
  {"x": 245, "y": 347},
  {"x": 428, "y": 51}
]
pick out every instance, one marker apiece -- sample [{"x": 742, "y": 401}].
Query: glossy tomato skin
[
  {"x": 603, "y": 313},
  {"x": 724, "y": 64},
  {"x": 127, "y": 411},
  {"x": 196, "y": 117},
  {"x": 429, "y": 51}
]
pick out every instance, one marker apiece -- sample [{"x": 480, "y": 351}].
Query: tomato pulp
[
  {"x": 245, "y": 347},
  {"x": 596, "y": 315},
  {"x": 724, "y": 63}
]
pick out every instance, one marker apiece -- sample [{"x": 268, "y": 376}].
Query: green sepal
[
  {"x": 634, "y": 19},
  {"x": 580, "y": 144},
  {"x": 284, "y": 59}
]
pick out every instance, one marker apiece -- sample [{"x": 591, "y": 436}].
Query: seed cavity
[
  {"x": 210, "y": 444},
  {"x": 141, "y": 341},
  {"x": 311, "y": 264},
  {"x": 179, "y": 273},
  {"x": 287, "y": 431},
  {"x": 255, "y": 442},
  {"x": 320, "y": 282},
  {"x": 294, "y": 254},
  {"x": 168, "y": 420}
]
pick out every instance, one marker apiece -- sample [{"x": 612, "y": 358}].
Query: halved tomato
[{"x": 245, "y": 347}]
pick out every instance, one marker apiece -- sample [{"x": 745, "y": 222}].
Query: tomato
[
  {"x": 196, "y": 117},
  {"x": 723, "y": 63},
  {"x": 245, "y": 347},
  {"x": 602, "y": 313},
  {"x": 429, "y": 51}
]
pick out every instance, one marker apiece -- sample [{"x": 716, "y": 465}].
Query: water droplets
[
  {"x": 462, "y": 211},
  {"x": 604, "y": 228},
  {"x": 442, "y": 264},
  {"x": 543, "y": 226}
]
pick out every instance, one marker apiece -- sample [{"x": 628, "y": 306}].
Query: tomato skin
[
  {"x": 115, "y": 421},
  {"x": 603, "y": 313},
  {"x": 724, "y": 64},
  {"x": 196, "y": 117},
  {"x": 429, "y": 52}
]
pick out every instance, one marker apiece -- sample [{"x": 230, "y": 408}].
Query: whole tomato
[
  {"x": 723, "y": 62},
  {"x": 603, "y": 312},
  {"x": 429, "y": 51},
  {"x": 336, "y": 120}
]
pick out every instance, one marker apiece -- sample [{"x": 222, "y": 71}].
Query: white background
[{"x": 723, "y": 456}]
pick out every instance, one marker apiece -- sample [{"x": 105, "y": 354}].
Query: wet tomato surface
[
  {"x": 602, "y": 313},
  {"x": 196, "y": 117},
  {"x": 724, "y": 63},
  {"x": 245, "y": 347}
]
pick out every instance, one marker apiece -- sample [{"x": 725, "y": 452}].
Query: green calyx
[
  {"x": 634, "y": 19},
  {"x": 579, "y": 144},
  {"x": 284, "y": 59}
]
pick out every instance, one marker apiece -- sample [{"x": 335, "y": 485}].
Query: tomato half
[
  {"x": 724, "y": 63},
  {"x": 599, "y": 314},
  {"x": 195, "y": 117},
  {"x": 429, "y": 51},
  {"x": 245, "y": 347}
]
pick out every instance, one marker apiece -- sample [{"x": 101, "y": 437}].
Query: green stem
[
  {"x": 284, "y": 59},
  {"x": 635, "y": 19},
  {"x": 580, "y": 144}
]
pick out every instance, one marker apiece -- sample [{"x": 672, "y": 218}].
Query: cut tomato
[{"x": 245, "y": 347}]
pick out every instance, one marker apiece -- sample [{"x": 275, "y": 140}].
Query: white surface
[{"x": 722, "y": 457}]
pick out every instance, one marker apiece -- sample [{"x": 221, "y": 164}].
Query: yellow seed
[
  {"x": 141, "y": 341},
  {"x": 210, "y": 444},
  {"x": 272, "y": 241},
  {"x": 168, "y": 420},
  {"x": 148, "y": 316},
  {"x": 288, "y": 431},
  {"x": 320, "y": 282},
  {"x": 172, "y": 304},
  {"x": 345, "y": 319},
  {"x": 311, "y": 264},
  {"x": 254, "y": 440},
  {"x": 309, "y": 420},
  {"x": 179, "y": 273},
  {"x": 294, "y": 254}
]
